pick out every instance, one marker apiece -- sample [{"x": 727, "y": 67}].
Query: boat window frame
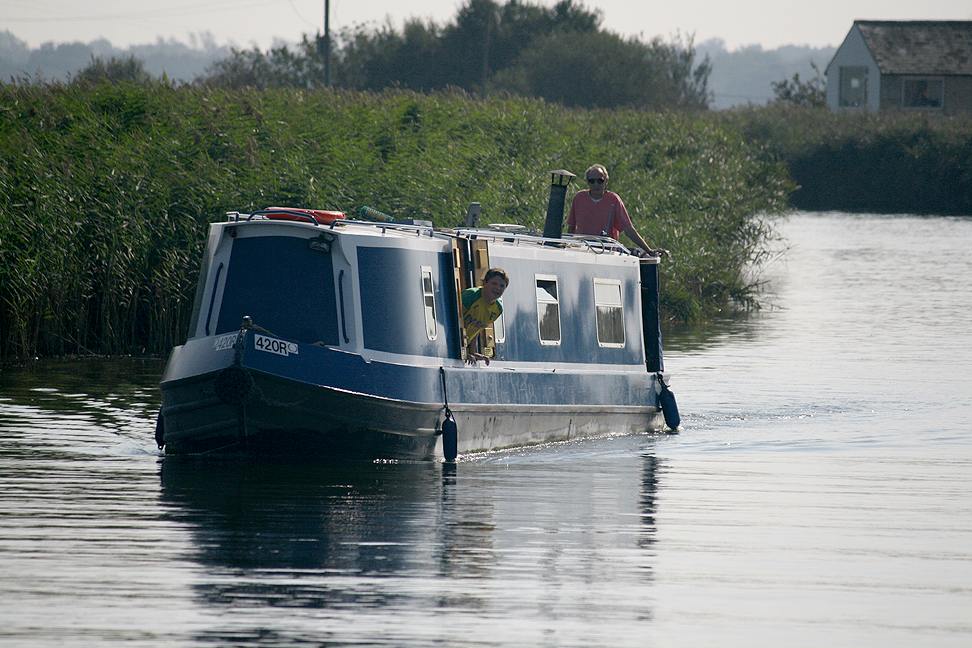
[
  {"x": 428, "y": 303},
  {"x": 543, "y": 306},
  {"x": 619, "y": 306}
]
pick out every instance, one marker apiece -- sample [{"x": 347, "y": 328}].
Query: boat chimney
[
  {"x": 472, "y": 214},
  {"x": 554, "y": 224}
]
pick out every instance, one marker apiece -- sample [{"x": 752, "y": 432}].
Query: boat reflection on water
[
  {"x": 408, "y": 540},
  {"x": 278, "y": 530},
  {"x": 649, "y": 494}
]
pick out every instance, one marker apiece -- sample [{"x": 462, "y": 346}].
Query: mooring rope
[{"x": 445, "y": 393}]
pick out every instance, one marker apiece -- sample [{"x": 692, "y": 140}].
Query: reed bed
[
  {"x": 916, "y": 162},
  {"x": 106, "y": 191}
]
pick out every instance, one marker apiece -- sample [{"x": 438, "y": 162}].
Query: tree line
[{"x": 559, "y": 54}]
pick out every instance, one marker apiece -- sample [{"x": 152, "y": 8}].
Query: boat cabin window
[
  {"x": 260, "y": 283},
  {"x": 429, "y": 294},
  {"x": 548, "y": 309},
  {"x": 610, "y": 313}
]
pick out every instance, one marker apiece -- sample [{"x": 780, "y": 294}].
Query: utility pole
[
  {"x": 489, "y": 33},
  {"x": 327, "y": 43}
]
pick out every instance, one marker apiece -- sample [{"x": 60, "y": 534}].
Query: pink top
[{"x": 590, "y": 217}]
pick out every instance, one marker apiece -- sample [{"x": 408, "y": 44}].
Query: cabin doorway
[{"x": 470, "y": 261}]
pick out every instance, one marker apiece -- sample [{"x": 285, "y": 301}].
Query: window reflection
[
  {"x": 609, "y": 313},
  {"x": 548, "y": 309}
]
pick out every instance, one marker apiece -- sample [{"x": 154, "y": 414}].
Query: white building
[{"x": 907, "y": 65}]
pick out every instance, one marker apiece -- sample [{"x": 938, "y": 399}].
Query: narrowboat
[{"x": 312, "y": 333}]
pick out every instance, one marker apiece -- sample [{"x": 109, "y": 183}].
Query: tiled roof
[{"x": 919, "y": 46}]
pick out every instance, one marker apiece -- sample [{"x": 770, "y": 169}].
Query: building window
[
  {"x": 922, "y": 93},
  {"x": 610, "y": 313},
  {"x": 429, "y": 294},
  {"x": 548, "y": 309},
  {"x": 853, "y": 86}
]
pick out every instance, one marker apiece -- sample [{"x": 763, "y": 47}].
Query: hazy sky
[{"x": 245, "y": 23}]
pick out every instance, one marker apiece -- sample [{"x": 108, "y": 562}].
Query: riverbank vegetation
[
  {"x": 890, "y": 162},
  {"x": 106, "y": 190}
]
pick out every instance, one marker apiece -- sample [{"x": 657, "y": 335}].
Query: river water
[{"x": 819, "y": 493}]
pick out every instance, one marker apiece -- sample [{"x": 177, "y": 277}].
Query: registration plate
[{"x": 273, "y": 345}]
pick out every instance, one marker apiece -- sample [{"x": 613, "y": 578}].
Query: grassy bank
[
  {"x": 889, "y": 162},
  {"x": 106, "y": 191}
]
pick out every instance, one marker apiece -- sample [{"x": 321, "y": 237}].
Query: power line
[{"x": 185, "y": 10}]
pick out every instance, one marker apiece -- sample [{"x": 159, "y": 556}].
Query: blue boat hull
[{"x": 224, "y": 400}]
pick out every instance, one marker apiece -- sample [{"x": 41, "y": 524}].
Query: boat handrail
[
  {"x": 600, "y": 244},
  {"x": 303, "y": 218},
  {"x": 594, "y": 244},
  {"x": 418, "y": 228}
]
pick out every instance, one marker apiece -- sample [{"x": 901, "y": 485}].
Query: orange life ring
[{"x": 321, "y": 216}]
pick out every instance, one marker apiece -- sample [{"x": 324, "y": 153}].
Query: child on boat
[{"x": 482, "y": 305}]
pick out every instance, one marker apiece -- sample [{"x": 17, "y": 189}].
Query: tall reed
[{"x": 106, "y": 190}]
